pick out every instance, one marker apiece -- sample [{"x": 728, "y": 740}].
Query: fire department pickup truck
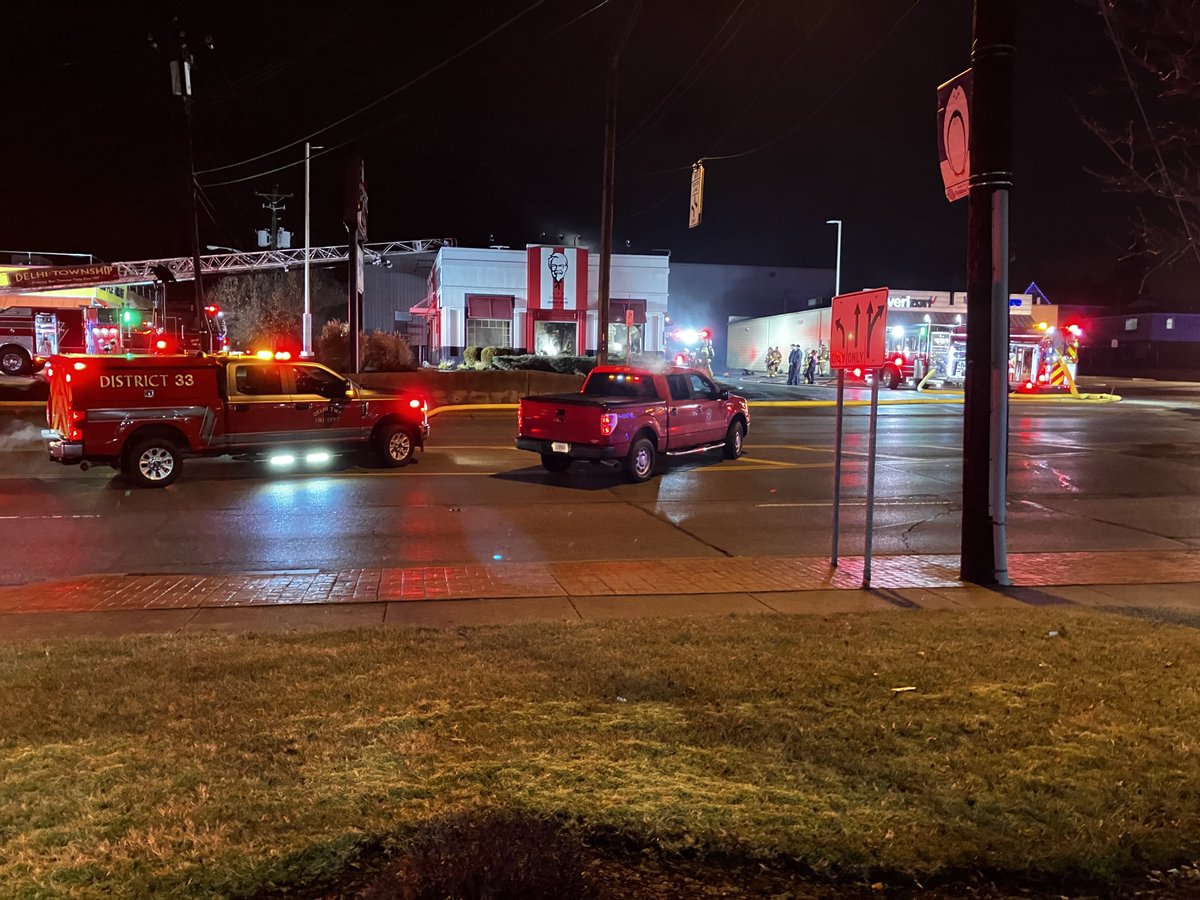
[
  {"x": 630, "y": 415},
  {"x": 144, "y": 414}
]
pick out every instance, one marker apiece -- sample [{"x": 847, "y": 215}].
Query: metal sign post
[
  {"x": 857, "y": 340},
  {"x": 837, "y": 463},
  {"x": 871, "y": 480}
]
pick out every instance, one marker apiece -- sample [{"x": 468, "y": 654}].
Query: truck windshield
[{"x": 619, "y": 384}]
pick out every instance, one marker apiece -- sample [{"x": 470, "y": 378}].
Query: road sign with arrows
[{"x": 858, "y": 337}]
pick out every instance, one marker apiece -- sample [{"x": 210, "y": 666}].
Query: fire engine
[{"x": 1041, "y": 358}]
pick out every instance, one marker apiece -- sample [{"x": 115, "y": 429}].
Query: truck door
[
  {"x": 683, "y": 413},
  {"x": 260, "y": 409},
  {"x": 323, "y": 412},
  {"x": 710, "y": 409}
]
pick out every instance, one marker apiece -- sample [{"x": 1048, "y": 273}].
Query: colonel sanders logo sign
[{"x": 557, "y": 264}]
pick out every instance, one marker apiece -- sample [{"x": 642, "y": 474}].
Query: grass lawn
[{"x": 900, "y": 748}]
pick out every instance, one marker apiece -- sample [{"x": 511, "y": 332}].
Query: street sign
[
  {"x": 629, "y": 318},
  {"x": 697, "y": 200},
  {"x": 858, "y": 330},
  {"x": 954, "y": 134},
  {"x": 46, "y": 278}
]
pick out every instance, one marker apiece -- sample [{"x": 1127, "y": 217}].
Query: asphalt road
[{"x": 1095, "y": 477}]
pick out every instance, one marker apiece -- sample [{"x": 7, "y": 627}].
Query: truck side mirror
[{"x": 722, "y": 395}]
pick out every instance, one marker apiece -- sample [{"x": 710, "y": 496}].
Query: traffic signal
[
  {"x": 131, "y": 317},
  {"x": 212, "y": 310}
]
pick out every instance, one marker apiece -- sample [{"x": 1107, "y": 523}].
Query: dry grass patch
[{"x": 223, "y": 766}]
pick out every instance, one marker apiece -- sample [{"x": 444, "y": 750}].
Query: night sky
[{"x": 805, "y": 110}]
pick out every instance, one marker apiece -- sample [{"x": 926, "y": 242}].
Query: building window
[
  {"x": 489, "y": 321},
  {"x": 1170, "y": 323},
  {"x": 489, "y": 333},
  {"x": 554, "y": 338},
  {"x": 1131, "y": 324},
  {"x": 617, "y": 335}
]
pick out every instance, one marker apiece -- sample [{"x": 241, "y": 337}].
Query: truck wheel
[
  {"x": 15, "y": 361},
  {"x": 395, "y": 444},
  {"x": 639, "y": 464},
  {"x": 890, "y": 377},
  {"x": 154, "y": 462},
  {"x": 555, "y": 462},
  {"x": 733, "y": 439}
]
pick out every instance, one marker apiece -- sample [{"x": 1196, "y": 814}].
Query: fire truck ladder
[{"x": 180, "y": 268}]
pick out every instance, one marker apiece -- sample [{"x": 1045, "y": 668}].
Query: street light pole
[
  {"x": 306, "y": 350},
  {"x": 837, "y": 271}
]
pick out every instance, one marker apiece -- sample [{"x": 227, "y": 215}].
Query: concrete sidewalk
[{"x": 499, "y": 593}]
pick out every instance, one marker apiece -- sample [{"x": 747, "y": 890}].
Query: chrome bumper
[{"x": 60, "y": 450}]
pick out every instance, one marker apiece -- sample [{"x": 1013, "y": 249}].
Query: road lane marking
[
  {"x": 855, "y": 503},
  {"x": 10, "y": 518}
]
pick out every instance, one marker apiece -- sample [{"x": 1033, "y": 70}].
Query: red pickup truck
[
  {"x": 630, "y": 415},
  {"x": 144, "y": 414}
]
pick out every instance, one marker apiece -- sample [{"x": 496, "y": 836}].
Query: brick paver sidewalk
[{"x": 615, "y": 578}]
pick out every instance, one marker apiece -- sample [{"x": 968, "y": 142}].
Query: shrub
[
  {"x": 333, "y": 345},
  {"x": 386, "y": 352},
  {"x": 380, "y": 351},
  {"x": 486, "y": 355},
  {"x": 471, "y": 355},
  {"x": 574, "y": 365}
]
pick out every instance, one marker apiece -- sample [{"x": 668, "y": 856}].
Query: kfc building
[{"x": 543, "y": 300}]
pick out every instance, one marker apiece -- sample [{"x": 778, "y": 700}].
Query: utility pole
[
  {"x": 985, "y": 408},
  {"x": 606, "y": 200},
  {"x": 181, "y": 86},
  {"x": 276, "y": 205},
  {"x": 306, "y": 344},
  {"x": 355, "y": 219}
]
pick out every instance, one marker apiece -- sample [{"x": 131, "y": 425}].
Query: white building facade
[{"x": 543, "y": 299}]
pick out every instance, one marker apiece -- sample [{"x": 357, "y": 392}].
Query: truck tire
[
  {"x": 555, "y": 462},
  {"x": 15, "y": 360},
  {"x": 639, "y": 463},
  {"x": 890, "y": 376},
  {"x": 153, "y": 462},
  {"x": 733, "y": 439},
  {"x": 395, "y": 445}
]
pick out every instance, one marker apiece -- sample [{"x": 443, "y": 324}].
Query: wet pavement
[{"x": 508, "y": 593}]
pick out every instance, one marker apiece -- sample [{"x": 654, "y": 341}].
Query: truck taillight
[
  {"x": 78, "y": 415},
  {"x": 74, "y": 434},
  {"x": 415, "y": 404},
  {"x": 608, "y": 422}
]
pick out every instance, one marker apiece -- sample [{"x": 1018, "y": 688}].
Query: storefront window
[
  {"x": 489, "y": 333},
  {"x": 617, "y": 339},
  {"x": 554, "y": 338}
]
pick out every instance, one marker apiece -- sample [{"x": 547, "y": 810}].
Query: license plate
[{"x": 560, "y": 447}]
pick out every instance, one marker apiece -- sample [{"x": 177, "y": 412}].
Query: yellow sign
[{"x": 697, "y": 200}]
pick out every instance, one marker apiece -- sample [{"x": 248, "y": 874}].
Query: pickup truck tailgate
[{"x": 567, "y": 418}]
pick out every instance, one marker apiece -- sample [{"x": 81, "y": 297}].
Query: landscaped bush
[
  {"x": 571, "y": 365},
  {"x": 386, "y": 352},
  {"x": 471, "y": 356},
  {"x": 381, "y": 351},
  {"x": 333, "y": 345}
]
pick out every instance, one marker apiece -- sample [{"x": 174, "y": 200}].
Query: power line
[
  {"x": 829, "y": 99},
  {"x": 687, "y": 77},
  {"x": 779, "y": 71},
  {"x": 428, "y": 72},
  {"x": 332, "y": 148}
]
